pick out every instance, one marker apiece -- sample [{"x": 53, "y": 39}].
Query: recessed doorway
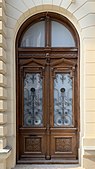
[{"x": 47, "y": 69}]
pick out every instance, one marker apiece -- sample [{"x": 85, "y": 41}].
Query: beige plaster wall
[{"x": 82, "y": 14}]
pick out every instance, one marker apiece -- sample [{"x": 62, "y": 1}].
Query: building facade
[{"x": 81, "y": 14}]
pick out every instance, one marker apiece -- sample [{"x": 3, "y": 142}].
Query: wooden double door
[{"x": 47, "y": 127}]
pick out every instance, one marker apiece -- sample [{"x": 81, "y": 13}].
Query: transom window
[
  {"x": 61, "y": 36},
  {"x": 34, "y": 36},
  {"x": 58, "y": 34}
]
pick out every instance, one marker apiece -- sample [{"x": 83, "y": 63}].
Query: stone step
[{"x": 47, "y": 167}]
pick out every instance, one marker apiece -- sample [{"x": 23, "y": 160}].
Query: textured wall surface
[{"x": 82, "y": 14}]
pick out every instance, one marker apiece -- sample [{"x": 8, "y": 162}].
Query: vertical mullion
[
  {"x": 47, "y": 31},
  {"x": 47, "y": 80}
]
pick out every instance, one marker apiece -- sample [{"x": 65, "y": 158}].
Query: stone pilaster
[{"x": 4, "y": 152}]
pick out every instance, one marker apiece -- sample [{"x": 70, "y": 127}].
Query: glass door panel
[
  {"x": 33, "y": 100},
  {"x": 62, "y": 100}
]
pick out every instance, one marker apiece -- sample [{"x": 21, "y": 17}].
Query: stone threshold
[{"x": 42, "y": 166}]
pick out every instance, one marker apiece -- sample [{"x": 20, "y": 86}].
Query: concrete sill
[
  {"x": 5, "y": 153},
  {"x": 89, "y": 148},
  {"x": 89, "y": 152}
]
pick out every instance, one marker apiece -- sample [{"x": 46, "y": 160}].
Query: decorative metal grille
[
  {"x": 63, "y": 100},
  {"x": 33, "y": 100}
]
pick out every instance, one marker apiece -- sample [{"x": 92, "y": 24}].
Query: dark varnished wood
[{"x": 44, "y": 145}]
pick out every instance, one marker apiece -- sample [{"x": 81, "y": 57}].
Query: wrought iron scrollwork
[
  {"x": 33, "y": 100},
  {"x": 62, "y": 100}
]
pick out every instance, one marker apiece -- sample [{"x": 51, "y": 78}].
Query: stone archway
[{"x": 23, "y": 18}]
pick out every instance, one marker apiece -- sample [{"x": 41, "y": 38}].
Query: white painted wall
[{"x": 82, "y": 14}]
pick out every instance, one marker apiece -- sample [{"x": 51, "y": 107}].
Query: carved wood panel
[
  {"x": 32, "y": 144},
  {"x": 63, "y": 144}
]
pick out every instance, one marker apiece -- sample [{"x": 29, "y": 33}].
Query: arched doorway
[{"x": 47, "y": 66}]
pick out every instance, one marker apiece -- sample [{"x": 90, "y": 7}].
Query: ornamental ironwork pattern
[
  {"x": 62, "y": 100},
  {"x": 33, "y": 100},
  {"x": 33, "y": 144},
  {"x": 63, "y": 144}
]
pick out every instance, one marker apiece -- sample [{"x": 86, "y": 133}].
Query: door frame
[{"x": 19, "y": 50}]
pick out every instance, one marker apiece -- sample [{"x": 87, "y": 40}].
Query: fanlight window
[
  {"x": 35, "y": 35},
  {"x": 61, "y": 36}
]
